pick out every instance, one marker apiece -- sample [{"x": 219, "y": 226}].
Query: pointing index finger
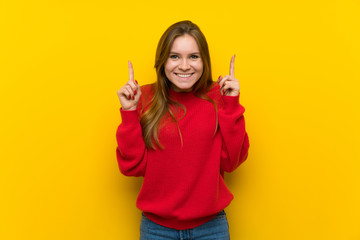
[
  {"x": 131, "y": 72},
  {"x": 232, "y": 68}
]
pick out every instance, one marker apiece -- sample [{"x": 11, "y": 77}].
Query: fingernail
[
  {"x": 133, "y": 97},
  {"x": 136, "y": 82},
  {"x": 129, "y": 97},
  {"x": 135, "y": 92},
  {"x": 223, "y": 91}
]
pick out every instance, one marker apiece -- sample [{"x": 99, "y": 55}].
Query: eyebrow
[{"x": 189, "y": 53}]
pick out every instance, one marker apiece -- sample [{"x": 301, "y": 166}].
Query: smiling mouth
[{"x": 184, "y": 75}]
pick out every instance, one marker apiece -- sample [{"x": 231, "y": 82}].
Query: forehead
[{"x": 185, "y": 44}]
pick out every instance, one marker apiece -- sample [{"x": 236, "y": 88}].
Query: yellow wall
[{"x": 62, "y": 62}]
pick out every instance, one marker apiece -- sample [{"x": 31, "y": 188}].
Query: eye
[
  {"x": 194, "y": 56},
  {"x": 173, "y": 56}
]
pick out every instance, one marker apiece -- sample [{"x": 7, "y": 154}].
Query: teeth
[{"x": 184, "y": 76}]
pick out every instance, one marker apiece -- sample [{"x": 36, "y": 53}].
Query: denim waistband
[{"x": 222, "y": 212}]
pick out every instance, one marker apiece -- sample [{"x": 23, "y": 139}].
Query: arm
[
  {"x": 235, "y": 139},
  {"x": 131, "y": 151},
  {"x": 232, "y": 123}
]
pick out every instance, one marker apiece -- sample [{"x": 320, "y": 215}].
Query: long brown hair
[{"x": 161, "y": 102}]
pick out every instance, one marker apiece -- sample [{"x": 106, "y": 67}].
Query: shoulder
[
  {"x": 214, "y": 94},
  {"x": 214, "y": 88},
  {"x": 147, "y": 93},
  {"x": 148, "y": 89}
]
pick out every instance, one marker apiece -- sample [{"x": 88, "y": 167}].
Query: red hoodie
[{"x": 183, "y": 183}]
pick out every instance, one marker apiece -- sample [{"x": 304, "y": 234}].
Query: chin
[{"x": 183, "y": 87}]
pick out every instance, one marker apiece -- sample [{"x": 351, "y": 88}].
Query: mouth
[{"x": 184, "y": 75}]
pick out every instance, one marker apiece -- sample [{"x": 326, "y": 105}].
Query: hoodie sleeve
[
  {"x": 131, "y": 151},
  {"x": 232, "y": 128}
]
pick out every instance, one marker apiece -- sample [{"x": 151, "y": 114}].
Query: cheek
[
  {"x": 169, "y": 67},
  {"x": 200, "y": 67}
]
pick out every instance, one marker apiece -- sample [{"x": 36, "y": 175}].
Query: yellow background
[{"x": 62, "y": 62}]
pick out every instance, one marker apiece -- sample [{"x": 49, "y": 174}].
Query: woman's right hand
[{"x": 130, "y": 93}]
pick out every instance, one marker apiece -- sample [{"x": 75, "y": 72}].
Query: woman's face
[{"x": 184, "y": 66}]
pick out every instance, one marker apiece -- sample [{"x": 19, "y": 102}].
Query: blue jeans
[{"x": 215, "y": 229}]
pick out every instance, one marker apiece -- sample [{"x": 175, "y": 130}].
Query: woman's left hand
[{"x": 229, "y": 85}]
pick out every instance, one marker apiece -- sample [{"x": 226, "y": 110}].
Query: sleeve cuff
[
  {"x": 231, "y": 102},
  {"x": 129, "y": 116}
]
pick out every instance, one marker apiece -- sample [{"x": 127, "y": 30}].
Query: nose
[{"x": 184, "y": 65}]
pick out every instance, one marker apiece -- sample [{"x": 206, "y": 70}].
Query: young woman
[{"x": 181, "y": 134}]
